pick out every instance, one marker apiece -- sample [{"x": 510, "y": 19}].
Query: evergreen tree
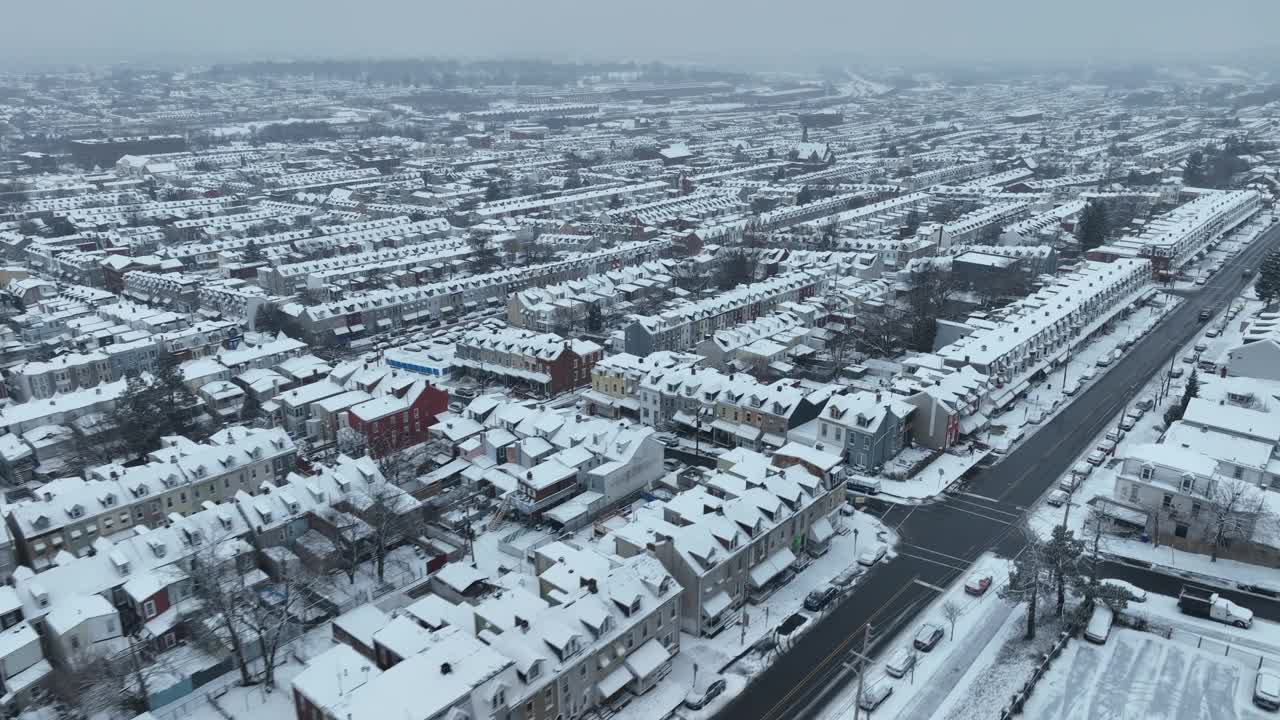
[
  {"x": 1193, "y": 171},
  {"x": 1268, "y": 285},
  {"x": 1062, "y": 554},
  {"x": 1190, "y": 392},
  {"x": 595, "y": 319},
  {"x": 252, "y": 253},
  {"x": 1092, "y": 230}
]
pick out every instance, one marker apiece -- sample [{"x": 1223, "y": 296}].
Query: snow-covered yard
[{"x": 1140, "y": 675}]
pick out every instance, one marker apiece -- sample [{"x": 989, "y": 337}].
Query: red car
[{"x": 977, "y": 585}]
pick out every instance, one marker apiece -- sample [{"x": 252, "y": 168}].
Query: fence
[
  {"x": 1046, "y": 660},
  {"x": 1250, "y": 658}
]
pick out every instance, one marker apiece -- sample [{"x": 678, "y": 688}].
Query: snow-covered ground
[
  {"x": 1140, "y": 675},
  {"x": 933, "y": 478},
  {"x": 921, "y": 693}
]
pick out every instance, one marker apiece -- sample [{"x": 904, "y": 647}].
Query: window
[
  {"x": 1188, "y": 483},
  {"x": 1147, "y": 472},
  {"x": 1167, "y": 501},
  {"x": 1180, "y": 530},
  {"x": 149, "y": 609},
  {"x": 1195, "y": 509},
  {"x": 1133, "y": 493},
  {"x": 1237, "y": 472}
]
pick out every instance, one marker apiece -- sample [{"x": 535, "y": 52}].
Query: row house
[
  {"x": 1186, "y": 232},
  {"x": 398, "y": 417},
  {"x": 205, "y": 338},
  {"x": 593, "y": 200},
  {"x": 62, "y": 409},
  {"x": 608, "y": 637},
  {"x": 737, "y": 539},
  {"x": 176, "y": 291},
  {"x": 681, "y": 327},
  {"x": 235, "y": 299},
  {"x": 869, "y": 429},
  {"x": 289, "y": 278},
  {"x": 615, "y": 381},
  {"x": 36, "y": 380},
  {"x": 69, "y": 514},
  {"x": 949, "y": 402},
  {"x": 566, "y": 304},
  {"x": 545, "y": 363},
  {"x": 379, "y": 310},
  {"x": 1041, "y": 329}
]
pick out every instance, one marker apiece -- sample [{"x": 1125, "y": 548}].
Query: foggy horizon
[{"x": 747, "y": 34}]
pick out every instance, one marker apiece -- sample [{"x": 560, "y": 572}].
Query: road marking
[
  {"x": 939, "y": 563},
  {"x": 980, "y": 497},
  {"x": 931, "y": 586}
]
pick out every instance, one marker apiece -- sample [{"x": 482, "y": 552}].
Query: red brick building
[{"x": 398, "y": 418}]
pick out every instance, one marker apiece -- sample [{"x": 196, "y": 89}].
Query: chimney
[{"x": 445, "y": 668}]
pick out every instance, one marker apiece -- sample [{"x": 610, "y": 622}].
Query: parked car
[
  {"x": 1107, "y": 446},
  {"x": 1099, "y": 627},
  {"x": 1266, "y": 691},
  {"x": 1127, "y": 423},
  {"x": 977, "y": 585},
  {"x": 874, "y": 694},
  {"x": 668, "y": 439},
  {"x": 900, "y": 662},
  {"x": 874, "y": 555},
  {"x": 1205, "y": 315},
  {"x": 1145, "y": 403},
  {"x": 1189, "y": 358},
  {"x": 1115, "y": 435},
  {"x": 672, "y": 465},
  {"x": 818, "y": 599},
  {"x": 1201, "y": 347},
  {"x": 1058, "y": 498},
  {"x": 1175, "y": 372},
  {"x": 1073, "y": 388},
  {"x": 1097, "y": 457},
  {"x": 1212, "y": 332},
  {"x": 1087, "y": 374},
  {"x": 847, "y": 576},
  {"x": 1136, "y": 594},
  {"x": 1070, "y": 482},
  {"x": 707, "y": 687},
  {"x": 927, "y": 637},
  {"x": 1104, "y": 360}
]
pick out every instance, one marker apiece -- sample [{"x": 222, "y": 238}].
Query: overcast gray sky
[{"x": 75, "y": 30}]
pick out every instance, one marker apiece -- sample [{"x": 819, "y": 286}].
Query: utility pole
[{"x": 862, "y": 659}]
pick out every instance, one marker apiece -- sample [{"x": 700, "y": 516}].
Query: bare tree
[
  {"x": 392, "y": 514},
  {"x": 237, "y": 612},
  {"x": 1234, "y": 508},
  {"x": 221, "y": 590},
  {"x": 952, "y": 610}
]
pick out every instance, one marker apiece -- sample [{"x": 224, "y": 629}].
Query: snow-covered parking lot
[{"x": 1141, "y": 676}]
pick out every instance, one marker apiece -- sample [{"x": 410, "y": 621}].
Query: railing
[{"x": 1019, "y": 698}]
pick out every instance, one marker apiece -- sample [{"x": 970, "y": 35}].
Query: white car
[
  {"x": 1136, "y": 594},
  {"x": 1058, "y": 498},
  {"x": 1097, "y": 457},
  {"x": 1070, "y": 482},
  {"x": 874, "y": 555},
  {"x": 1266, "y": 691},
  {"x": 1127, "y": 423},
  {"x": 1082, "y": 469}
]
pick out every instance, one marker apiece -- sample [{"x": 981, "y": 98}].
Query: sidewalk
[
  {"x": 1166, "y": 559},
  {"x": 933, "y": 479},
  {"x": 929, "y": 699}
]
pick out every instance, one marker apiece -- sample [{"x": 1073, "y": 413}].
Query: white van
[
  {"x": 1099, "y": 625},
  {"x": 900, "y": 662}
]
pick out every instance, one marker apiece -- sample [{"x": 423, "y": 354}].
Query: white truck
[{"x": 1208, "y": 604}]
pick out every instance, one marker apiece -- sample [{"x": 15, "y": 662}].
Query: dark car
[
  {"x": 819, "y": 599},
  {"x": 927, "y": 637},
  {"x": 1205, "y": 315}
]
